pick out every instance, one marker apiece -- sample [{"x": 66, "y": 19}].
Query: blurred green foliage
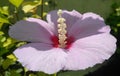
[
  {"x": 12, "y": 11},
  {"x": 114, "y": 21}
]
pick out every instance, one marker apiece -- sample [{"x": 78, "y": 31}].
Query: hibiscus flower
[{"x": 68, "y": 40}]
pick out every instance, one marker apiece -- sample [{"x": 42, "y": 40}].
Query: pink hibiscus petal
[
  {"x": 71, "y": 18},
  {"x": 90, "y": 24},
  {"x": 87, "y": 52},
  {"x": 41, "y": 57},
  {"x": 92, "y": 15},
  {"x": 32, "y": 30}
]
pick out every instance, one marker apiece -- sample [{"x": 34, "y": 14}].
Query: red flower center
[{"x": 69, "y": 40}]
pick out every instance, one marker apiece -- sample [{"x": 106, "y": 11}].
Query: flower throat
[{"x": 61, "y": 30}]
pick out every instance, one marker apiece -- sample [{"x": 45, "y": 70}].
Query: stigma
[{"x": 61, "y": 30}]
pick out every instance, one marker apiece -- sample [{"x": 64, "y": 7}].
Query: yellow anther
[
  {"x": 59, "y": 13},
  {"x": 61, "y": 20},
  {"x": 63, "y": 25},
  {"x": 62, "y": 37},
  {"x": 61, "y": 30}
]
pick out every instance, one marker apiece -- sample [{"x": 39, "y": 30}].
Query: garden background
[{"x": 12, "y": 11}]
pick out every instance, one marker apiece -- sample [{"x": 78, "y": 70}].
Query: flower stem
[
  {"x": 16, "y": 14},
  {"x": 42, "y": 9}
]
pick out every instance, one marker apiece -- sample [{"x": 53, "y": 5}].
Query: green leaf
[
  {"x": 14, "y": 73},
  {"x": 3, "y": 51},
  {"x": 16, "y": 3},
  {"x": 7, "y": 63},
  {"x": 118, "y": 50},
  {"x": 80, "y": 72},
  {"x": 42, "y": 74},
  {"x": 7, "y": 73},
  {"x": 1, "y": 24},
  {"x": 9, "y": 43},
  {"x": 1, "y": 60},
  {"x": 118, "y": 11},
  {"x": 3, "y": 19}
]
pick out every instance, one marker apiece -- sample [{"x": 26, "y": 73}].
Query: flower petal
[
  {"x": 32, "y": 30},
  {"x": 90, "y": 24},
  {"x": 41, "y": 57},
  {"x": 87, "y": 52},
  {"x": 92, "y": 15},
  {"x": 70, "y": 16}
]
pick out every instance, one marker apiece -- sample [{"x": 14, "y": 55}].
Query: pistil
[{"x": 61, "y": 30}]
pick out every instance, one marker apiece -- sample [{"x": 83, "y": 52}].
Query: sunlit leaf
[
  {"x": 32, "y": 75},
  {"x": 20, "y": 44},
  {"x": 16, "y": 3},
  {"x": 30, "y": 6},
  {"x": 25, "y": 69},
  {"x": 1, "y": 33},
  {"x": 4, "y": 20},
  {"x": 4, "y": 10},
  {"x": 11, "y": 56},
  {"x": 19, "y": 70},
  {"x": 2, "y": 38},
  {"x": 46, "y": 3},
  {"x": 27, "y": 8},
  {"x": 8, "y": 42},
  {"x": 118, "y": 25}
]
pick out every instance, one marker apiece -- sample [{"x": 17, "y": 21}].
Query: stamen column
[{"x": 61, "y": 30}]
